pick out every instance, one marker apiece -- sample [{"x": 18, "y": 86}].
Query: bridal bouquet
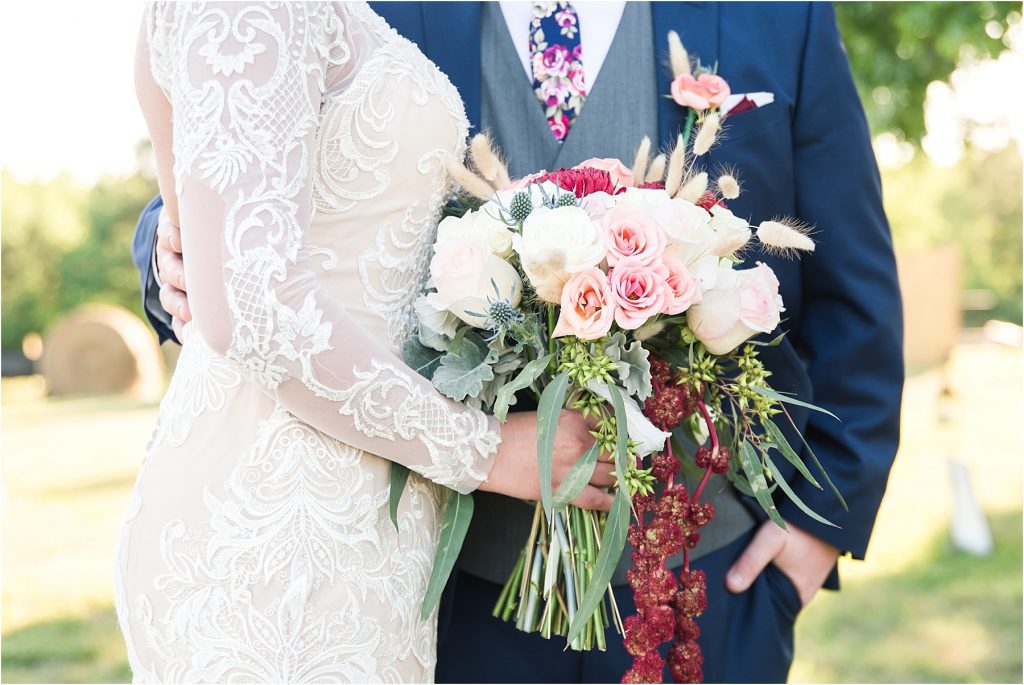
[{"x": 620, "y": 293}]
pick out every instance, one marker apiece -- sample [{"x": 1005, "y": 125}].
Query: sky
[
  {"x": 69, "y": 100},
  {"x": 69, "y": 95}
]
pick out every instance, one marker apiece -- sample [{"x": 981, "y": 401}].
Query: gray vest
[{"x": 621, "y": 108}]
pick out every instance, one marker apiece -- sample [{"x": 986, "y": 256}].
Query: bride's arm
[{"x": 242, "y": 86}]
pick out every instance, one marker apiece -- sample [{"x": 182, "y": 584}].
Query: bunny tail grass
[
  {"x": 642, "y": 160},
  {"x": 693, "y": 190},
  {"x": 785, "y": 237},
  {"x": 707, "y": 134},
  {"x": 470, "y": 182},
  {"x": 677, "y": 56},
  {"x": 656, "y": 172},
  {"x": 676, "y": 161},
  {"x": 487, "y": 162},
  {"x": 728, "y": 186}
]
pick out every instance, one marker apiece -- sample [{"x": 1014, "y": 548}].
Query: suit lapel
[
  {"x": 697, "y": 26},
  {"x": 452, "y": 42}
]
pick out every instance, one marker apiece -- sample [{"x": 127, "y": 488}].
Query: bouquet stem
[{"x": 546, "y": 585}]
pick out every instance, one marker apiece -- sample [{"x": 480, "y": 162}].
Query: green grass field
[{"x": 915, "y": 611}]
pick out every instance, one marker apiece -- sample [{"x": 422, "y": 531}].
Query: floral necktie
[{"x": 556, "y": 63}]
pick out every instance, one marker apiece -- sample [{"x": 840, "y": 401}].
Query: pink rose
[
  {"x": 640, "y": 292},
  {"x": 742, "y": 304},
  {"x": 556, "y": 60},
  {"x": 587, "y": 306},
  {"x": 620, "y": 174},
  {"x": 630, "y": 232},
  {"x": 578, "y": 80},
  {"x": 701, "y": 93},
  {"x": 684, "y": 290},
  {"x": 554, "y": 90},
  {"x": 565, "y": 18},
  {"x": 760, "y": 302},
  {"x": 559, "y": 126}
]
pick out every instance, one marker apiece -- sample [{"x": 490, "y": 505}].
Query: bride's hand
[{"x": 515, "y": 467}]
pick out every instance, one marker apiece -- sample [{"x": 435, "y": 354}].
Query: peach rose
[
  {"x": 621, "y": 175},
  {"x": 630, "y": 231},
  {"x": 701, "y": 93},
  {"x": 587, "y": 307},
  {"x": 741, "y": 304},
  {"x": 639, "y": 290},
  {"x": 684, "y": 289}
]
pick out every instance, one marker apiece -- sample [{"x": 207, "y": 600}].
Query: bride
[{"x": 300, "y": 148}]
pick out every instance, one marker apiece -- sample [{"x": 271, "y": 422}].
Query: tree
[{"x": 897, "y": 48}]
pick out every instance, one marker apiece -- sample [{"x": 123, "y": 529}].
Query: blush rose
[
  {"x": 587, "y": 306},
  {"x": 701, "y": 93}
]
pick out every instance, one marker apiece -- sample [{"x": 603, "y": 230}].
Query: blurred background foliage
[{"x": 897, "y": 48}]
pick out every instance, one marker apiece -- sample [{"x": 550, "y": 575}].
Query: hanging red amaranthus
[{"x": 667, "y": 607}]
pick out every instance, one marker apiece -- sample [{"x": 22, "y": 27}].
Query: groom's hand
[
  {"x": 804, "y": 559},
  {"x": 170, "y": 271}
]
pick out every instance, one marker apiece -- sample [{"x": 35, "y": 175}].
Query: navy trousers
[{"x": 746, "y": 638}]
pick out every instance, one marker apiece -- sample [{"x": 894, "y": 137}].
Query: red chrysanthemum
[
  {"x": 582, "y": 182},
  {"x": 709, "y": 200}
]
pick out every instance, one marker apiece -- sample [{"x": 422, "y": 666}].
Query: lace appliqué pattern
[
  {"x": 290, "y": 521},
  {"x": 385, "y": 404},
  {"x": 201, "y": 383}
]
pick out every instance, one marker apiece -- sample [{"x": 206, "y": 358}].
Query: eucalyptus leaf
[
  {"x": 779, "y": 441},
  {"x": 421, "y": 359},
  {"x": 621, "y": 442},
  {"x": 549, "y": 410},
  {"x": 576, "y": 479},
  {"x": 758, "y": 484},
  {"x": 465, "y": 368},
  {"x": 507, "y": 394},
  {"x": 457, "y": 514},
  {"x": 814, "y": 458},
  {"x": 613, "y": 541},
  {"x": 399, "y": 475},
  {"x": 777, "y": 475},
  {"x": 767, "y": 392}
]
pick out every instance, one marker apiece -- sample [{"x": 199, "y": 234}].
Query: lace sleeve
[{"x": 245, "y": 83}]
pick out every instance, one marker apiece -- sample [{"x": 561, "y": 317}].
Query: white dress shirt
[{"x": 599, "y": 20}]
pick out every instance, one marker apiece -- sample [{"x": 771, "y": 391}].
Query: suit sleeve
[
  {"x": 143, "y": 245},
  {"x": 851, "y": 331}
]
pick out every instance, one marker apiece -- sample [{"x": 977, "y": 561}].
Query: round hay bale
[{"x": 101, "y": 349}]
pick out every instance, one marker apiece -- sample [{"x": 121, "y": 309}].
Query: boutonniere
[{"x": 706, "y": 95}]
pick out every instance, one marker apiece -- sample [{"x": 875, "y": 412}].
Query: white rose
[
  {"x": 689, "y": 231},
  {"x": 733, "y": 232},
  {"x": 741, "y": 304},
  {"x": 466, "y": 274},
  {"x": 485, "y": 222},
  {"x": 647, "y": 197},
  {"x": 556, "y": 243},
  {"x": 596, "y": 205}
]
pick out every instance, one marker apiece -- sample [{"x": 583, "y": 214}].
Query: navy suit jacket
[{"x": 808, "y": 155}]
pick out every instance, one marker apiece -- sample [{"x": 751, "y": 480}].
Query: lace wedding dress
[{"x": 307, "y": 174}]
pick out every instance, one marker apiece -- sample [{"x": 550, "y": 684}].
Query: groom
[{"x": 806, "y": 155}]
